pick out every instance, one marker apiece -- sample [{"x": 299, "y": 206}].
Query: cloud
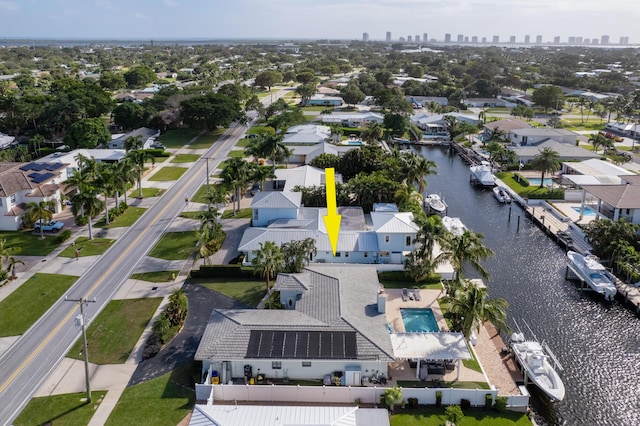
[
  {"x": 142, "y": 16},
  {"x": 9, "y": 6},
  {"x": 172, "y": 3}
]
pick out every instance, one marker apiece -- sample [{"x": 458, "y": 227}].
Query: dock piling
[{"x": 518, "y": 228}]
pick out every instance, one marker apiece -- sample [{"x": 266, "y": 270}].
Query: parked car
[
  {"x": 157, "y": 145},
  {"x": 255, "y": 188},
  {"x": 50, "y": 226}
]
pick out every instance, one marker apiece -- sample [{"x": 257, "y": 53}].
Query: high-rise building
[
  {"x": 496, "y": 39},
  {"x": 512, "y": 39},
  {"x": 484, "y": 40},
  {"x": 527, "y": 39},
  {"x": 365, "y": 36},
  {"x": 388, "y": 36},
  {"x": 460, "y": 38},
  {"x": 425, "y": 38},
  {"x": 604, "y": 39},
  {"x": 556, "y": 40},
  {"x": 595, "y": 41},
  {"x": 409, "y": 39},
  {"x": 571, "y": 40},
  {"x": 447, "y": 38},
  {"x": 624, "y": 40},
  {"x": 401, "y": 40},
  {"x": 466, "y": 39},
  {"x": 417, "y": 38},
  {"x": 538, "y": 39},
  {"x": 474, "y": 39}
]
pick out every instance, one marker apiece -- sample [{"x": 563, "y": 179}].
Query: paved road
[{"x": 28, "y": 362}]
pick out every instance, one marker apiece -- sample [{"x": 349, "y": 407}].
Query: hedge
[{"x": 223, "y": 271}]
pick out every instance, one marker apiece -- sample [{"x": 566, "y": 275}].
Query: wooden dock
[
  {"x": 565, "y": 233},
  {"x": 630, "y": 294}
]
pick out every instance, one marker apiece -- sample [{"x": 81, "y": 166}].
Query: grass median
[
  {"x": 127, "y": 218},
  {"x": 175, "y": 246},
  {"x": 30, "y": 301},
  {"x": 87, "y": 247},
  {"x": 185, "y": 158},
  {"x": 168, "y": 173},
  {"x": 65, "y": 410}
]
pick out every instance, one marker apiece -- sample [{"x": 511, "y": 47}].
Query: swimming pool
[
  {"x": 419, "y": 320},
  {"x": 536, "y": 181},
  {"x": 588, "y": 211}
]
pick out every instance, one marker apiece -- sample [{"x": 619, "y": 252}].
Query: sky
[{"x": 317, "y": 19}]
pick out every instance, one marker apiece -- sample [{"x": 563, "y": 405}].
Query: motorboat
[
  {"x": 453, "y": 225},
  {"x": 483, "y": 174},
  {"x": 589, "y": 269},
  {"x": 434, "y": 204},
  {"x": 501, "y": 194},
  {"x": 539, "y": 365}
]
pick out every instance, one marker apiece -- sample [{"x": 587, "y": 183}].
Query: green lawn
[
  {"x": 128, "y": 218},
  {"x": 113, "y": 334},
  {"x": 241, "y": 214},
  {"x": 147, "y": 192},
  {"x": 168, "y": 173},
  {"x": 28, "y": 302},
  {"x": 185, "y": 158},
  {"x": 178, "y": 138},
  {"x": 87, "y": 247},
  {"x": 397, "y": 279},
  {"x": 207, "y": 139},
  {"x": 175, "y": 246},
  {"x": 156, "y": 277},
  {"x": 248, "y": 292},
  {"x": 236, "y": 154},
  {"x": 30, "y": 243},
  {"x": 531, "y": 191},
  {"x": 242, "y": 143},
  {"x": 162, "y": 401},
  {"x": 61, "y": 410},
  {"x": 473, "y": 417}
]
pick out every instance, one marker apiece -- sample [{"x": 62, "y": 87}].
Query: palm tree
[
  {"x": 547, "y": 161},
  {"x": 298, "y": 254},
  {"x": 7, "y": 252},
  {"x": 462, "y": 249},
  {"x": 132, "y": 143},
  {"x": 138, "y": 158},
  {"x": 268, "y": 261},
  {"x": 39, "y": 211},
  {"x": 88, "y": 203},
  {"x": 236, "y": 174},
  {"x": 106, "y": 184},
  {"x": 419, "y": 168},
  {"x": 598, "y": 139},
  {"x": 125, "y": 174},
  {"x": 11, "y": 267},
  {"x": 373, "y": 132},
  {"x": 472, "y": 308}
]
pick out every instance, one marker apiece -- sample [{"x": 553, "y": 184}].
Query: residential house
[
  {"x": 322, "y": 100},
  {"x": 360, "y": 119},
  {"x": 304, "y": 154},
  {"x": 273, "y": 205},
  {"x": 622, "y": 128},
  {"x": 506, "y": 126},
  {"x": 331, "y": 322},
  {"x": 70, "y": 159},
  {"x": 487, "y": 103},
  {"x": 146, "y": 134},
  {"x": 536, "y": 135},
  {"x": 567, "y": 152},
  {"x": 6, "y": 141},
  {"x": 592, "y": 172},
  {"x": 22, "y": 183},
  {"x": 308, "y": 134},
  {"x": 618, "y": 201},
  {"x": 426, "y": 100},
  {"x": 305, "y": 176}
]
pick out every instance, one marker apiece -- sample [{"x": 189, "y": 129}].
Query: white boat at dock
[
  {"x": 454, "y": 225},
  {"x": 483, "y": 174},
  {"x": 590, "y": 271},
  {"x": 502, "y": 194},
  {"x": 539, "y": 365},
  {"x": 434, "y": 204}
]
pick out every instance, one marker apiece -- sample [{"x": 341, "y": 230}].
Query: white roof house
[
  {"x": 302, "y": 176},
  {"x": 269, "y": 415},
  {"x": 353, "y": 119},
  {"x": 565, "y": 151},
  {"x": 307, "y": 134},
  {"x": 6, "y": 141},
  {"x": 306, "y": 153},
  {"x": 593, "y": 172}
]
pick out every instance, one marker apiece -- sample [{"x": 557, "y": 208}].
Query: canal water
[{"x": 597, "y": 343}]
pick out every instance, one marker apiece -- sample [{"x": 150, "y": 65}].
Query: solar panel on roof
[
  {"x": 302, "y": 344},
  {"x": 38, "y": 166},
  {"x": 28, "y": 166},
  {"x": 43, "y": 177},
  {"x": 53, "y": 166},
  {"x": 266, "y": 340},
  {"x": 290, "y": 342},
  {"x": 34, "y": 175},
  {"x": 326, "y": 347},
  {"x": 278, "y": 345}
]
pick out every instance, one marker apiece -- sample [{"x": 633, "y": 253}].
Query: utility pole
[{"x": 80, "y": 321}]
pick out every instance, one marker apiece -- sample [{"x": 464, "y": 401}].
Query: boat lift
[{"x": 548, "y": 352}]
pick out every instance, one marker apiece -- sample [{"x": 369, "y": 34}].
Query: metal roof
[
  {"x": 391, "y": 222},
  {"x": 277, "y": 200}
]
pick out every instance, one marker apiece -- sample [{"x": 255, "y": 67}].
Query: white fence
[{"x": 347, "y": 394}]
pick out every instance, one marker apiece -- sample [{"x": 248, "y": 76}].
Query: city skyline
[{"x": 289, "y": 19}]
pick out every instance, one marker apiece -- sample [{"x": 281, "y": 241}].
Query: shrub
[
  {"x": 521, "y": 179},
  {"x": 501, "y": 404},
  {"x": 454, "y": 413},
  {"x": 488, "y": 401},
  {"x": 438, "y": 398},
  {"x": 81, "y": 220},
  {"x": 413, "y": 402},
  {"x": 465, "y": 404},
  {"x": 275, "y": 300},
  {"x": 63, "y": 236}
]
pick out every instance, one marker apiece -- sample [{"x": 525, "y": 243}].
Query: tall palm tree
[
  {"x": 86, "y": 203},
  {"x": 547, "y": 161},
  {"x": 272, "y": 147},
  {"x": 105, "y": 183},
  {"x": 472, "y": 308},
  {"x": 268, "y": 261},
  {"x": 373, "y": 132},
  {"x": 467, "y": 248},
  {"x": 138, "y": 158},
  {"x": 422, "y": 263},
  {"x": 125, "y": 174},
  {"x": 39, "y": 211},
  {"x": 236, "y": 174},
  {"x": 598, "y": 139},
  {"x": 418, "y": 169},
  {"x": 132, "y": 143},
  {"x": 6, "y": 252}
]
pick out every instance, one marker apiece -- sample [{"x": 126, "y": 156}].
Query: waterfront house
[
  {"x": 359, "y": 119},
  {"x": 332, "y": 321},
  {"x": 304, "y": 154},
  {"x": 567, "y": 152},
  {"x": 535, "y": 136},
  {"x": 21, "y": 183},
  {"x": 592, "y": 172},
  {"x": 617, "y": 201},
  {"x": 506, "y": 126}
]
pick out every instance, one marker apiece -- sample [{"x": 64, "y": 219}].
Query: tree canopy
[{"x": 210, "y": 111}]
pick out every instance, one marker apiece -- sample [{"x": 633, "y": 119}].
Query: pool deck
[{"x": 500, "y": 369}]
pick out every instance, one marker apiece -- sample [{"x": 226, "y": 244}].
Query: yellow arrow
[{"x": 332, "y": 219}]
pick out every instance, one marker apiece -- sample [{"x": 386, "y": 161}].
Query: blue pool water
[
  {"x": 419, "y": 320},
  {"x": 536, "y": 181},
  {"x": 354, "y": 143},
  {"x": 588, "y": 211}
]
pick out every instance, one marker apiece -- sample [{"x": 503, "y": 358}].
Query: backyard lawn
[
  {"x": 26, "y": 304},
  {"x": 241, "y": 214},
  {"x": 68, "y": 409},
  {"x": 168, "y": 173},
  {"x": 113, "y": 334},
  {"x": 474, "y": 417},
  {"x": 175, "y": 246}
]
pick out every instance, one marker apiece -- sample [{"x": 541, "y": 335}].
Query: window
[
  {"x": 346, "y": 254},
  {"x": 387, "y": 238},
  {"x": 13, "y": 198},
  {"x": 306, "y": 363},
  {"x": 255, "y": 215},
  {"x": 366, "y": 254},
  {"x": 407, "y": 240},
  {"x": 276, "y": 365},
  {"x": 338, "y": 254}
]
